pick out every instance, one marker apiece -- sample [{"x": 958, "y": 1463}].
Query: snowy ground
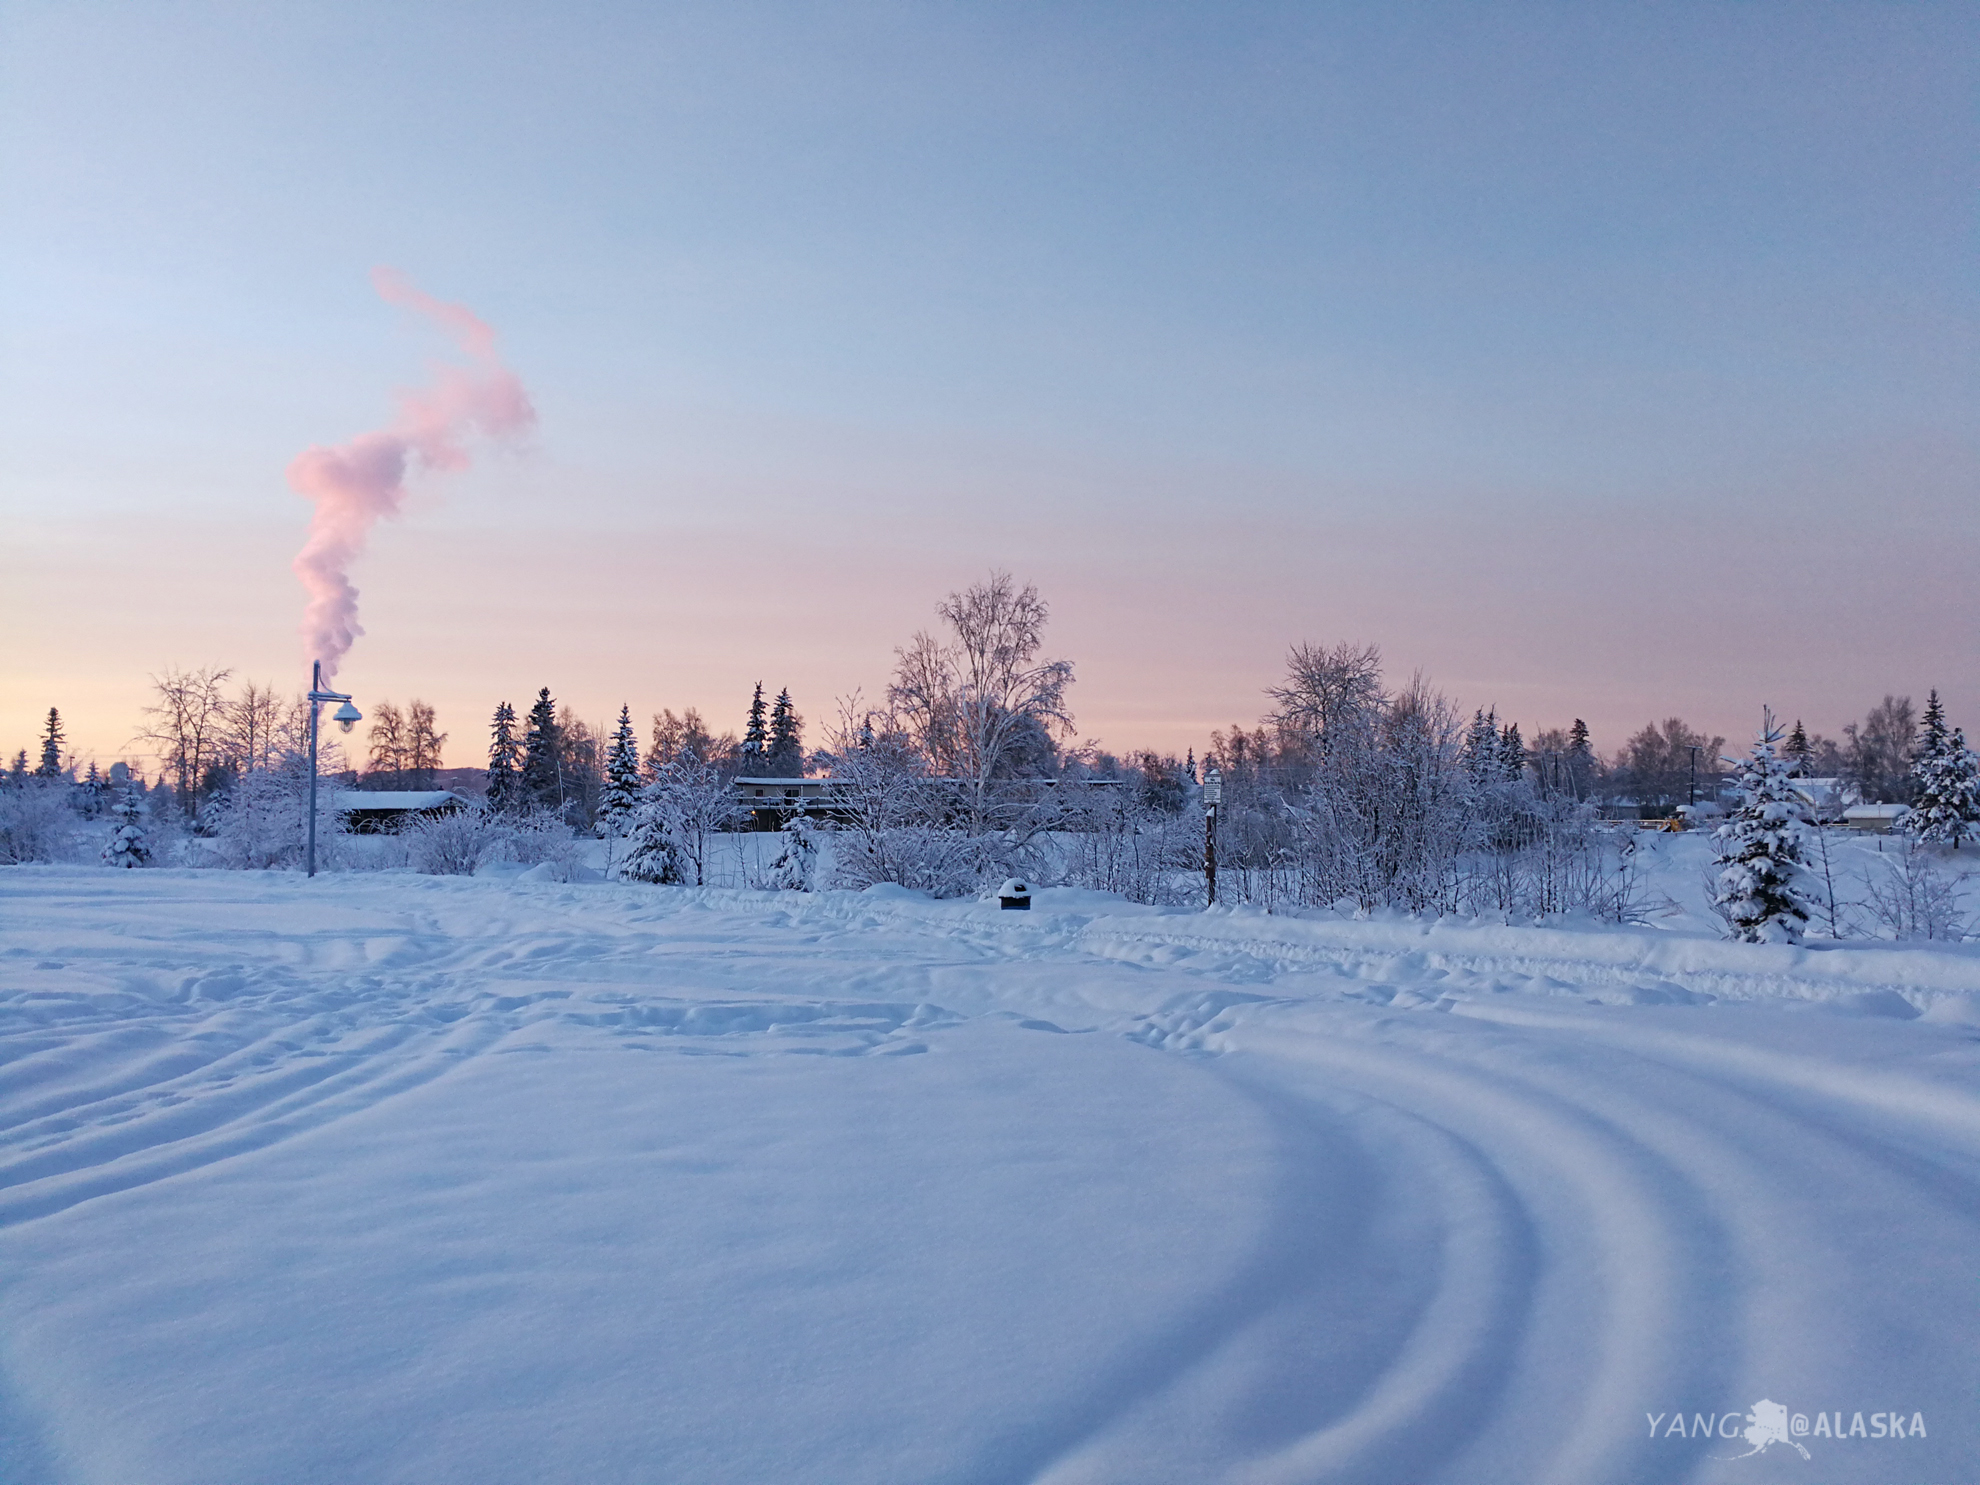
[{"x": 385, "y": 1178}]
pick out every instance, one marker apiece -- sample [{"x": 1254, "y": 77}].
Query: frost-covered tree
[
  {"x": 187, "y": 723},
  {"x": 785, "y": 758},
  {"x": 1945, "y": 782},
  {"x": 968, "y": 701},
  {"x": 542, "y": 776},
  {"x": 689, "y": 802},
  {"x": 129, "y": 845},
  {"x": 51, "y": 747},
  {"x": 622, "y": 781},
  {"x": 756, "y": 738},
  {"x": 1759, "y": 850},
  {"x": 504, "y": 763},
  {"x": 1581, "y": 762},
  {"x": 676, "y": 737}
]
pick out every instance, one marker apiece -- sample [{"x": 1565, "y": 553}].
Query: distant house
[
  {"x": 382, "y": 811},
  {"x": 770, "y": 802},
  {"x": 1879, "y": 819}
]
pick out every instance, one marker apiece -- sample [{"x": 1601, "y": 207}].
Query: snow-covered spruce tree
[
  {"x": 1759, "y": 850},
  {"x": 51, "y": 747},
  {"x": 691, "y": 802},
  {"x": 653, "y": 851},
  {"x": 504, "y": 763},
  {"x": 542, "y": 776},
  {"x": 756, "y": 739},
  {"x": 620, "y": 796},
  {"x": 785, "y": 759},
  {"x": 1947, "y": 782},
  {"x": 1512, "y": 754},
  {"x": 128, "y": 844},
  {"x": 1798, "y": 750},
  {"x": 797, "y": 859}
]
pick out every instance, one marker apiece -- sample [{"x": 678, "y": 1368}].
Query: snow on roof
[
  {"x": 1874, "y": 811},
  {"x": 394, "y": 799}
]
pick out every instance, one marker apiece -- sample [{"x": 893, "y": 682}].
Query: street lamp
[
  {"x": 346, "y": 717},
  {"x": 1213, "y": 795}
]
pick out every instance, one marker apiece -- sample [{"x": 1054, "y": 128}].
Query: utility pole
[
  {"x": 346, "y": 716},
  {"x": 1213, "y": 795},
  {"x": 1694, "y": 776}
]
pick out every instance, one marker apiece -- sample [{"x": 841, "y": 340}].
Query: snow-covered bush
[
  {"x": 455, "y": 843},
  {"x": 1759, "y": 856},
  {"x": 262, "y": 823},
  {"x": 678, "y": 815},
  {"x": 36, "y": 821},
  {"x": 1909, "y": 895},
  {"x": 940, "y": 862}
]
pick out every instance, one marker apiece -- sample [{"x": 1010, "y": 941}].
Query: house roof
[{"x": 352, "y": 801}]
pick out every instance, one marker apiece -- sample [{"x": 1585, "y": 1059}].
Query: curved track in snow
[{"x": 354, "y": 1180}]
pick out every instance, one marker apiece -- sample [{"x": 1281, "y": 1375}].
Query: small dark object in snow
[{"x": 1014, "y": 896}]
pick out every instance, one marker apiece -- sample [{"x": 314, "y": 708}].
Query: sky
[{"x": 1603, "y": 361}]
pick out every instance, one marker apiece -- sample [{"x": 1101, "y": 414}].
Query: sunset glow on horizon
[{"x": 1613, "y": 365}]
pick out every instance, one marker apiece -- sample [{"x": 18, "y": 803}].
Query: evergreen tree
[
  {"x": 798, "y": 859},
  {"x": 1759, "y": 851},
  {"x": 51, "y": 747},
  {"x": 622, "y": 784},
  {"x": 756, "y": 742},
  {"x": 1580, "y": 760},
  {"x": 786, "y": 758},
  {"x": 92, "y": 793},
  {"x": 653, "y": 852},
  {"x": 1481, "y": 748},
  {"x": 18, "y": 774},
  {"x": 1512, "y": 753},
  {"x": 1947, "y": 782},
  {"x": 504, "y": 763},
  {"x": 128, "y": 844},
  {"x": 542, "y": 775},
  {"x": 1798, "y": 750}
]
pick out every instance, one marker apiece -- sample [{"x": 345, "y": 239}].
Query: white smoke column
[{"x": 357, "y": 482}]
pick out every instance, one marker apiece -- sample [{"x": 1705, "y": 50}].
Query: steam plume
[{"x": 355, "y": 483}]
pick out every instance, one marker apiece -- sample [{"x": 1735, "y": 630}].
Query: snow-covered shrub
[
  {"x": 129, "y": 844},
  {"x": 686, "y": 806},
  {"x": 263, "y": 821},
  {"x": 1909, "y": 895},
  {"x": 453, "y": 844},
  {"x": 1759, "y": 857},
  {"x": 941, "y": 862},
  {"x": 36, "y": 821},
  {"x": 1113, "y": 838}
]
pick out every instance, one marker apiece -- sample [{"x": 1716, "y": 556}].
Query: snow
[{"x": 384, "y": 1177}]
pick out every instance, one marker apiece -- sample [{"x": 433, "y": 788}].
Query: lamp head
[{"x": 347, "y": 716}]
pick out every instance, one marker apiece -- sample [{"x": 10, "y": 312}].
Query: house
[
  {"x": 383, "y": 811},
  {"x": 1879, "y": 819}
]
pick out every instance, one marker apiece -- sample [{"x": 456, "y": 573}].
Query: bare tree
[
  {"x": 254, "y": 728},
  {"x": 388, "y": 744},
  {"x": 1329, "y": 692},
  {"x": 187, "y": 725},
  {"x": 423, "y": 744},
  {"x": 970, "y": 702}
]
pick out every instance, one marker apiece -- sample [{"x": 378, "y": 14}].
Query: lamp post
[
  {"x": 346, "y": 716},
  {"x": 1213, "y": 795},
  {"x": 1694, "y": 777}
]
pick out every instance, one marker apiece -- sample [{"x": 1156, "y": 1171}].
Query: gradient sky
[{"x": 1611, "y": 361}]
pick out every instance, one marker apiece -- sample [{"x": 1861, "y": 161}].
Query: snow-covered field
[{"x": 387, "y": 1178}]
